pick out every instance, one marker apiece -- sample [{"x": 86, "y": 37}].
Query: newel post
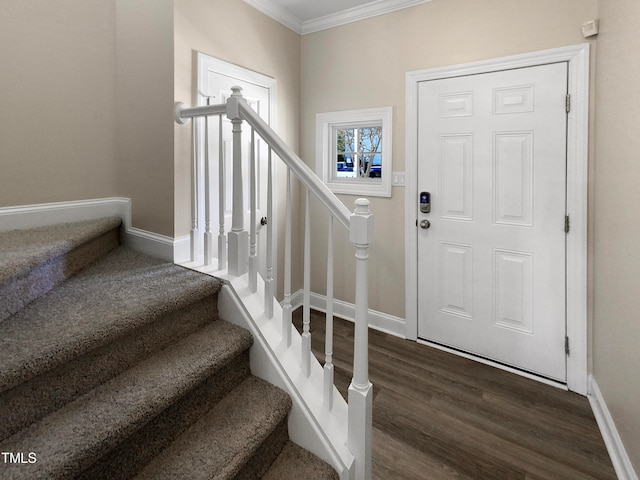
[
  {"x": 238, "y": 237},
  {"x": 361, "y": 390}
]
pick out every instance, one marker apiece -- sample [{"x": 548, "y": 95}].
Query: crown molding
[
  {"x": 278, "y": 14},
  {"x": 371, "y": 9}
]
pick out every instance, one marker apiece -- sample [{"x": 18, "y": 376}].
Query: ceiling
[{"x": 307, "y": 16}]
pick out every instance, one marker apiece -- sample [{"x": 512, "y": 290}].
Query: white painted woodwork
[
  {"x": 286, "y": 304},
  {"x": 306, "y": 305},
  {"x": 360, "y": 390},
  {"x": 492, "y": 264},
  {"x": 577, "y": 57},
  {"x": 269, "y": 281},
  {"x": 208, "y": 235},
  {"x": 242, "y": 249},
  {"x": 303, "y": 16},
  {"x": 215, "y": 79},
  {"x": 328, "y": 346},
  {"x": 222, "y": 199},
  {"x": 253, "y": 254},
  {"x": 238, "y": 237},
  {"x": 194, "y": 233}
]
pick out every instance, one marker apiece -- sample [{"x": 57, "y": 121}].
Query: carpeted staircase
[{"x": 115, "y": 365}]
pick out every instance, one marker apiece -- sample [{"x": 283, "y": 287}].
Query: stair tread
[
  {"x": 79, "y": 315},
  {"x": 23, "y": 250},
  {"x": 70, "y": 439},
  {"x": 296, "y": 463},
  {"x": 218, "y": 445}
]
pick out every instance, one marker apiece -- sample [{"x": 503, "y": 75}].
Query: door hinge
[
  {"x": 567, "y": 224},
  {"x": 566, "y": 345},
  {"x": 568, "y": 103}
]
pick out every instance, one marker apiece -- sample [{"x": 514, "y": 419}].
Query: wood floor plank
[{"x": 442, "y": 416}]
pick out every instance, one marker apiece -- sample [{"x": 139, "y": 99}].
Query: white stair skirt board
[
  {"x": 617, "y": 452},
  {"x": 310, "y": 425},
  {"x": 377, "y": 320},
  {"x": 44, "y": 214}
]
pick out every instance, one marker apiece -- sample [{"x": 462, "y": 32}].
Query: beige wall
[
  {"x": 234, "y": 32},
  {"x": 616, "y": 329},
  {"x": 88, "y": 95},
  {"x": 57, "y": 78},
  {"x": 144, "y": 133},
  {"x": 364, "y": 64}
]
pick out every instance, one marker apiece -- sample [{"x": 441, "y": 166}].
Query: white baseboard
[
  {"x": 44, "y": 214},
  {"x": 182, "y": 249},
  {"x": 377, "y": 320},
  {"x": 615, "y": 447},
  {"x": 150, "y": 243}
]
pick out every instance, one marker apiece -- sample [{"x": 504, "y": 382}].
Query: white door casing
[
  {"x": 491, "y": 277},
  {"x": 215, "y": 79},
  {"x": 576, "y": 194}
]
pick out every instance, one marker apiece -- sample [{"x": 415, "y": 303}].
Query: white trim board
[
  {"x": 377, "y": 320},
  {"x": 44, "y": 214},
  {"x": 303, "y": 27},
  {"x": 619, "y": 458},
  {"x": 577, "y": 57}
]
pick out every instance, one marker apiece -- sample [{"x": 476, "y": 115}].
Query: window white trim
[{"x": 325, "y": 149}]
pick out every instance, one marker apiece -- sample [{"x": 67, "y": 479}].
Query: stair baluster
[
  {"x": 253, "y": 254},
  {"x": 194, "y": 234},
  {"x": 328, "y": 359},
  {"x": 269, "y": 284},
  {"x": 208, "y": 235},
  {"x": 306, "y": 303},
  {"x": 222, "y": 187},
  {"x": 286, "y": 305}
]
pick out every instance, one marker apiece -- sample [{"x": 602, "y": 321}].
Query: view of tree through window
[{"x": 359, "y": 152}]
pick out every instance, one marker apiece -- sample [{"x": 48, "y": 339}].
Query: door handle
[{"x": 424, "y": 223}]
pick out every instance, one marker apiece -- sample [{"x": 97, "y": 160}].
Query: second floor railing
[{"x": 239, "y": 254}]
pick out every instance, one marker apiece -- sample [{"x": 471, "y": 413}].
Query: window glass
[{"x": 358, "y": 152}]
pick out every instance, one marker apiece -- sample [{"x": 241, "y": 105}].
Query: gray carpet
[
  {"x": 115, "y": 364},
  {"x": 34, "y": 261}
]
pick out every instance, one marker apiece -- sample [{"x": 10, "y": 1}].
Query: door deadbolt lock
[
  {"x": 425, "y": 202},
  {"x": 424, "y": 223}
]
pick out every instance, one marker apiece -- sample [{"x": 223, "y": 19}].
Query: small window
[{"x": 354, "y": 151}]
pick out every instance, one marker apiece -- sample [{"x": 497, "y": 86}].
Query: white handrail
[
  {"x": 182, "y": 113},
  {"x": 282, "y": 150},
  {"x": 298, "y": 167}
]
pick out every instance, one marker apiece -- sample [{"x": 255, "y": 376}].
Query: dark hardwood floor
[{"x": 440, "y": 416}]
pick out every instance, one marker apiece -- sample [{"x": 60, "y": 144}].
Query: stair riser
[
  {"x": 42, "y": 279},
  {"x": 265, "y": 454},
  {"x": 150, "y": 440},
  {"x": 37, "y": 397}
]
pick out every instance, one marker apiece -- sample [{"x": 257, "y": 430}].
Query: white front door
[
  {"x": 215, "y": 81},
  {"x": 491, "y": 265}
]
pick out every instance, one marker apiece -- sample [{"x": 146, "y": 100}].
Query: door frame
[{"x": 577, "y": 57}]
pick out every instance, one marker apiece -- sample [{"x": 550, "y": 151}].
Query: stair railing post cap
[{"x": 361, "y": 223}]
